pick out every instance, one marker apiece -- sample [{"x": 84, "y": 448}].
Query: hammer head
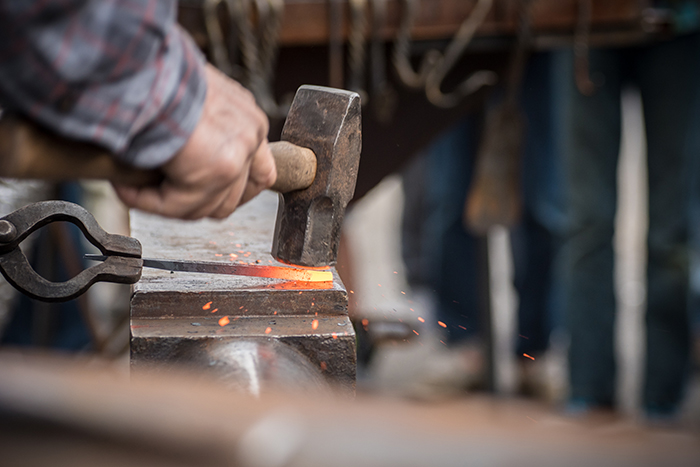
[{"x": 327, "y": 121}]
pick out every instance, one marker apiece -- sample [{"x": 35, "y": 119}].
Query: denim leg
[
  {"x": 532, "y": 261},
  {"x": 591, "y": 141},
  {"x": 450, "y": 247},
  {"x": 668, "y": 77},
  {"x": 533, "y": 240}
]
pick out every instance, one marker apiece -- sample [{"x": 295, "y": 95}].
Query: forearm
[{"x": 118, "y": 74}]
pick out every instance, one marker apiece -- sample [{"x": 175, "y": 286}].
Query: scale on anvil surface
[{"x": 184, "y": 317}]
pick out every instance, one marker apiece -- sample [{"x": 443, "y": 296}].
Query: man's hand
[{"x": 225, "y": 162}]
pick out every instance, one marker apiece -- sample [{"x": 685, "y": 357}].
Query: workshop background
[{"x": 91, "y": 382}]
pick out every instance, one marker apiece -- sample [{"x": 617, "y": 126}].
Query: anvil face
[{"x": 176, "y": 317}]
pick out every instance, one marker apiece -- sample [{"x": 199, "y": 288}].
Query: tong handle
[{"x": 123, "y": 264}]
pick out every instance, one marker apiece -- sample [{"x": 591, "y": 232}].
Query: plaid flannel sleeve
[{"x": 118, "y": 73}]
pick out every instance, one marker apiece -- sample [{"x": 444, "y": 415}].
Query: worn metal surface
[
  {"x": 164, "y": 305},
  {"x": 123, "y": 263},
  {"x": 329, "y": 122}
]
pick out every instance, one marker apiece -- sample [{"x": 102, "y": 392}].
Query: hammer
[{"x": 317, "y": 161}]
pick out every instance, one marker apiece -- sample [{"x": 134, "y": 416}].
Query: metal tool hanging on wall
[
  {"x": 384, "y": 96},
  {"x": 495, "y": 194},
  {"x": 257, "y": 44},
  {"x": 256, "y": 24},
  {"x": 581, "y": 38},
  {"x": 436, "y": 65},
  {"x": 357, "y": 48}
]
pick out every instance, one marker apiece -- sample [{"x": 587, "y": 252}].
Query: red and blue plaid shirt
[{"x": 118, "y": 73}]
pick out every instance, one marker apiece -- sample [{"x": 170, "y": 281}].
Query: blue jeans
[
  {"x": 668, "y": 77},
  {"x": 438, "y": 251}
]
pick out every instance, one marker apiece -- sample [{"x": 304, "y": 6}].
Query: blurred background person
[
  {"x": 441, "y": 253},
  {"x": 667, "y": 74}
]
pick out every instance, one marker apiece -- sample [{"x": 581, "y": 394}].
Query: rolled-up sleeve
[{"x": 120, "y": 74}]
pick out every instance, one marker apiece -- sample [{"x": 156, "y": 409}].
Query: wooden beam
[{"x": 305, "y": 22}]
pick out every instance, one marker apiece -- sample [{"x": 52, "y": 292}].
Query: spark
[
  {"x": 421, "y": 319},
  {"x": 218, "y": 254},
  {"x": 462, "y": 327},
  {"x": 206, "y": 306},
  {"x": 442, "y": 324},
  {"x": 268, "y": 330},
  {"x": 404, "y": 293},
  {"x": 524, "y": 337},
  {"x": 314, "y": 324},
  {"x": 395, "y": 272},
  {"x": 526, "y": 355},
  {"x": 224, "y": 321},
  {"x": 416, "y": 332},
  {"x": 352, "y": 291},
  {"x": 214, "y": 310},
  {"x": 233, "y": 255},
  {"x": 323, "y": 366},
  {"x": 335, "y": 336}
]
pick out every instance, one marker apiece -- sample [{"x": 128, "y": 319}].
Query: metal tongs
[
  {"x": 121, "y": 260},
  {"x": 122, "y": 264}
]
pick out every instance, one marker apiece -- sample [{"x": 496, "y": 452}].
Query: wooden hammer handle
[{"x": 28, "y": 151}]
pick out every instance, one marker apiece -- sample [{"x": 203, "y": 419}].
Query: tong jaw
[{"x": 123, "y": 264}]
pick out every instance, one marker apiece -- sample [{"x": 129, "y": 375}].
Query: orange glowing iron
[{"x": 216, "y": 267}]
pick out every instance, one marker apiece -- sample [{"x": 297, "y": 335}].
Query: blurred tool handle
[{"x": 28, "y": 151}]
